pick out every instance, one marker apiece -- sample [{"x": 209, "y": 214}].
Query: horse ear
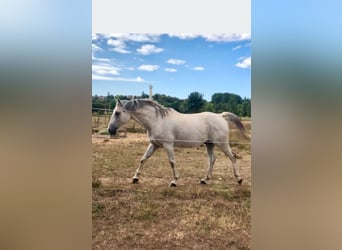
[{"x": 119, "y": 102}]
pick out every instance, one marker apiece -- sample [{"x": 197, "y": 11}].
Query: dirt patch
[{"x": 151, "y": 215}]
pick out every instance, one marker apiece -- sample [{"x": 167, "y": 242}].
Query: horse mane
[{"x": 133, "y": 105}]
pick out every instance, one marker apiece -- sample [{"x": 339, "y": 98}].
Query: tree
[
  {"x": 220, "y": 102},
  {"x": 209, "y": 107},
  {"x": 195, "y": 102},
  {"x": 144, "y": 95},
  {"x": 169, "y": 101},
  {"x": 226, "y": 102},
  {"x": 98, "y": 107}
]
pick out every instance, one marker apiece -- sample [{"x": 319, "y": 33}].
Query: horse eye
[{"x": 117, "y": 113}]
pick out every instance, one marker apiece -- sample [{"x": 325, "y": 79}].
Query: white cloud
[
  {"x": 176, "y": 61},
  {"x": 119, "y": 42},
  {"x": 117, "y": 79},
  {"x": 119, "y": 46},
  {"x": 152, "y": 38},
  {"x": 170, "y": 70},
  {"x": 245, "y": 63},
  {"x": 130, "y": 68},
  {"x": 215, "y": 37},
  {"x": 146, "y": 67},
  {"x": 184, "y": 35},
  {"x": 105, "y": 69},
  {"x": 237, "y": 47},
  {"x": 121, "y": 50},
  {"x": 95, "y": 48},
  {"x": 227, "y": 37},
  {"x": 242, "y": 46},
  {"x": 138, "y": 79},
  {"x": 100, "y": 59},
  {"x": 102, "y": 78},
  {"x": 116, "y": 43},
  {"x": 149, "y": 49},
  {"x": 198, "y": 68}
]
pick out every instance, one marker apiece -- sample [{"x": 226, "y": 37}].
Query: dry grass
[{"x": 151, "y": 215}]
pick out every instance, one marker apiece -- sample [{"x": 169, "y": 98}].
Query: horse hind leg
[
  {"x": 228, "y": 152},
  {"x": 211, "y": 160},
  {"x": 148, "y": 153}
]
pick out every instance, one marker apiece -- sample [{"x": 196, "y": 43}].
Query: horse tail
[{"x": 230, "y": 117}]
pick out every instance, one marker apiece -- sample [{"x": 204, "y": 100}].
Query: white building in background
[{"x": 150, "y": 93}]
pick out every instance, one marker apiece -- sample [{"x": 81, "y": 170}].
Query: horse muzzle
[{"x": 112, "y": 131}]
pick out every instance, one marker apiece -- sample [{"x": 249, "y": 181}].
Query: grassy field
[{"x": 151, "y": 215}]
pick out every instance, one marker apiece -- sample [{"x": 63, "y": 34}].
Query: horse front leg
[
  {"x": 170, "y": 154},
  {"x": 148, "y": 153}
]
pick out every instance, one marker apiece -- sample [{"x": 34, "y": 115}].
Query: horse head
[{"x": 119, "y": 117}]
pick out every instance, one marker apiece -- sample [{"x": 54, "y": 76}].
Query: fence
[{"x": 101, "y": 119}]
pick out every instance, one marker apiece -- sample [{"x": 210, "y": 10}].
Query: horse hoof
[
  {"x": 203, "y": 182},
  {"x": 240, "y": 181},
  {"x": 135, "y": 180},
  {"x": 172, "y": 184}
]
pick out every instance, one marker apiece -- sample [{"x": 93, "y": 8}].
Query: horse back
[{"x": 200, "y": 126}]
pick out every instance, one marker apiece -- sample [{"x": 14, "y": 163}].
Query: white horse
[{"x": 167, "y": 128}]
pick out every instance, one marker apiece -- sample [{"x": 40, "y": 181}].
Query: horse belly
[
  {"x": 187, "y": 143},
  {"x": 191, "y": 136}
]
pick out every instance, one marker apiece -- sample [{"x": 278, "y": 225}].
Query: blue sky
[{"x": 175, "y": 64}]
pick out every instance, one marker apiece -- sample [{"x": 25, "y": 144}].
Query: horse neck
[{"x": 145, "y": 118}]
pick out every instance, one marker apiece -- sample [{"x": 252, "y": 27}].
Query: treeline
[{"x": 195, "y": 103}]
